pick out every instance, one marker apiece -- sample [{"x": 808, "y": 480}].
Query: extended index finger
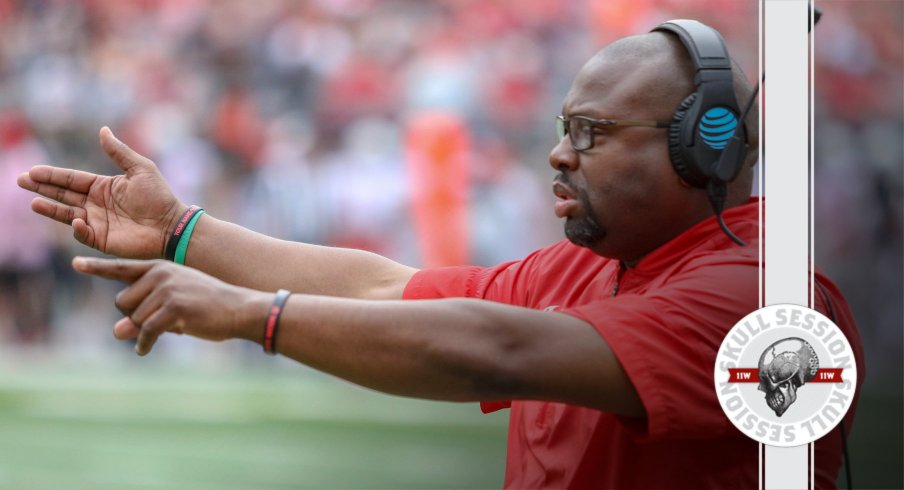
[{"x": 124, "y": 270}]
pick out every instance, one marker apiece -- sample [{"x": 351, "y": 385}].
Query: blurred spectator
[
  {"x": 26, "y": 278},
  {"x": 507, "y": 205}
]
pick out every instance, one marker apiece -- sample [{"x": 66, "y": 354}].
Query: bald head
[{"x": 650, "y": 70}]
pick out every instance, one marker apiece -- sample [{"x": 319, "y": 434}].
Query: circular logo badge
[
  {"x": 785, "y": 375},
  {"x": 717, "y": 126}
]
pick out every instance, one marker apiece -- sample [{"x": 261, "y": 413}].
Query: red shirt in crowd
[{"x": 664, "y": 319}]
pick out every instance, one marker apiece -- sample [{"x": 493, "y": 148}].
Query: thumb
[
  {"x": 126, "y": 158},
  {"x": 124, "y": 270}
]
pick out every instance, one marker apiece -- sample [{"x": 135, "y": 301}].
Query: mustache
[{"x": 562, "y": 178}]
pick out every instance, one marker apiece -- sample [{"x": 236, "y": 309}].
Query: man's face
[{"x": 621, "y": 198}]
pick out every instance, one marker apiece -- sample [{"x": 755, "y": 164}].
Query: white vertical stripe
[
  {"x": 787, "y": 231},
  {"x": 786, "y": 100},
  {"x": 786, "y": 467}
]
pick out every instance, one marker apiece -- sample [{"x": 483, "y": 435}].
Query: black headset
[
  {"x": 707, "y": 119},
  {"x": 707, "y": 135}
]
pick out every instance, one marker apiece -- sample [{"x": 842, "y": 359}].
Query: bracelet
[
  {"x": 182, "y": 248},
  {"x": 170, "y": 250},
  {"x": 276, "y": 309}
]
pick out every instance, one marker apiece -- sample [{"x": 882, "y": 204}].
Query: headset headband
[{"x": 703, "y": 43}]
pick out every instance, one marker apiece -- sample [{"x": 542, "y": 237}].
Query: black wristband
[
  {"x": 276, "y": 308},
  {"x": 169, "y": 252}
]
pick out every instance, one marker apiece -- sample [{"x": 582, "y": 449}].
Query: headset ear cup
[{"x": 679, "y": 163}]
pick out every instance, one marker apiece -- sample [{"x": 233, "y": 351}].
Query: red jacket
[{"x": 665, "y": 320}]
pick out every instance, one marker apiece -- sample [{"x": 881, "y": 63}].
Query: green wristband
[{"x": 182, "y": 248}]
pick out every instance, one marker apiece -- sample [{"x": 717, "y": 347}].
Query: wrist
[
  {"x": 251, "y": 316},
  {"x": 177, "y": 246},
  {"x": 169, "y": 224},
  {"x": 272, "y": 325}
]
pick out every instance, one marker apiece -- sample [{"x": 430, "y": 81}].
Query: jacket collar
[{"x": 743, "y": 221}]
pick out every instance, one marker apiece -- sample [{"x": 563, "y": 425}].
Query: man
[{"x": 603, "y": 345}]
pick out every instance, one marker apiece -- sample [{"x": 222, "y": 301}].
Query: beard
[{"x": 586, "y": 230}]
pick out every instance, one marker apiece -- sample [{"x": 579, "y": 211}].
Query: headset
[
  {"x": 707, "y": 119},
  {"x": 707, "y": 135}
]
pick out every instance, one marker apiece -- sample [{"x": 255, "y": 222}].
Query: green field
[
  {"x": 139, "y": 425},
  {"x": 143, "y": 424}
]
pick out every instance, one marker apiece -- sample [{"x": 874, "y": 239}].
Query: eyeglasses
[{"x": 580, "y": 128}]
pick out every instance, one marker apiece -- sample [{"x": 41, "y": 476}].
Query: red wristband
[{"x": 276, "y": 308}]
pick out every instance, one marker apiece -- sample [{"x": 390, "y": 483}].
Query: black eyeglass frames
[{"x": 580, "y": 128}]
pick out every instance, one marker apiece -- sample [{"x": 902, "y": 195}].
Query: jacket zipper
[{"x": 618, "y": 277}]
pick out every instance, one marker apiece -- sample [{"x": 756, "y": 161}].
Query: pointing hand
[{"x": 165, "y": 297}]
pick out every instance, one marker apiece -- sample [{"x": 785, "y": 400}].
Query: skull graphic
[{"x": 784, "y": 367}]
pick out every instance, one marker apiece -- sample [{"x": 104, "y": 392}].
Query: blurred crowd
[{"x": 301, "y": 119}]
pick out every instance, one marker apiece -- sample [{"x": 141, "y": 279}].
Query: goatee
[{"x": 586, "y": 230}]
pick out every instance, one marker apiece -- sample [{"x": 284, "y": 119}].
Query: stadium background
[{"x": 296, "y": 119}]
